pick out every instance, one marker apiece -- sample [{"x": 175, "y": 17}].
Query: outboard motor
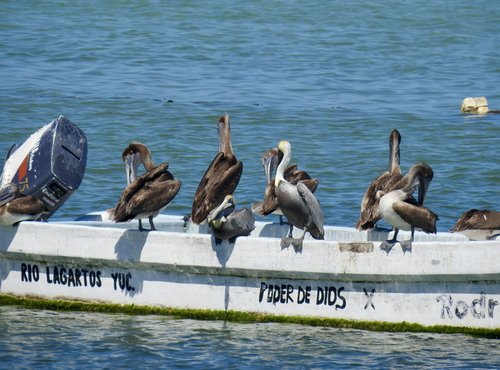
[{"x": 49, "y": 165}]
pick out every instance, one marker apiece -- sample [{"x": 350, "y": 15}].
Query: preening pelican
[
  {"x": 403, "y": 212},
  {"x": 227, "y": 223},
  {"x": 370, "y": 214},
  {"x": 479, "y": 220},
  {"x": 147, "y": 195},
  {"x": 220, "y": 179},
  {"x": 15, "y": 208},
  {"x": 298, "y": 204},
  {"x": 293, "y": 175}
]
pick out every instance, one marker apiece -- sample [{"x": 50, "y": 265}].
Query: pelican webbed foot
[
  {"x": 406, "y": 245},
  {"x": 285, "y": 242},
  {"x": 387, "y": 245},
  {"x": 217, "y": 241},
  {"x": 297, "y": 245}
]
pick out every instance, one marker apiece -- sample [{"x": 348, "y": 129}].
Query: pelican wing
[
  {"x": 159, "y": 171},
  {"x": 220, "y": 179},
  {"x": 241, "y": 222},
  {"x": 270, "y": 202},
  {"x": 290, "y": 172},
  {"x": 312, "y": 184},
  {"x": 370, "y": 214},
  {"x": 294, "y": 176},
  {"x": 147, "y": 194},
  {"x": 26, "y": 205},
  {"x": 478, "y": 219},
  {"x": 418, "y": 216},
  {"x": 313, "y": 206},
  {"x": 257, "y": 208},
  {"x": 153, "y": 197}
]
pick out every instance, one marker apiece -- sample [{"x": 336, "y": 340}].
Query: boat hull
[{"x": 449, "y": 281}]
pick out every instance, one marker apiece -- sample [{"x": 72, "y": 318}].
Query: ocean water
[
  {"x": 68, "y": 340},
  {"x": 333, "y": 78}
]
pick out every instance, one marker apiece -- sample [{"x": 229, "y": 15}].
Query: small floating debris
[{"x": 478, "y": 105}]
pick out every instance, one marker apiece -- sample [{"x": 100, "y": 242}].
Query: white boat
[{"x": 447, "y": 283}]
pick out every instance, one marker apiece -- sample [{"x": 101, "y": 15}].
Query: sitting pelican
[
  {"x": 15, "y": 207},
  {"x": 369, "y": 214},
  {"x": 227, "y": 223},
  {"x": 474, "y": 219},
  {"x": 298, "y": 204},
  {"x": 147, "y": 195},
  {"x": 293, "y": 175},
  {"x": 221, "y": 177},
  {"x": 402, "y": 211}
]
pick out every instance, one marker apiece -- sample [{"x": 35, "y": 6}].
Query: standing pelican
[
  {"x": 293, "y": 175},
  {"x": 220, "y": 178},
  {"x": 147, "y": 195},
  {"x": 227, "y": 223},
  {"x": 370, "y": 214},
  {"x": 15, "y": 207},
  {"x": 402, "y": 211},
  {"x": 475, "y": 219},
  {"x": 298, "y": 204}
]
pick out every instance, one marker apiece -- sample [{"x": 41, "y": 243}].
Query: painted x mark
[{"x": 369, "y": 298}]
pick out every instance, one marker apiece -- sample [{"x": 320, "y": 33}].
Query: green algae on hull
[{"x": 236, "y": 316}]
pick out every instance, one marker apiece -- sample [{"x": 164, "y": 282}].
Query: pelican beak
[
  {"x": 131, "y": 167},
  {"x": 268, "y": 168},
  {"x": 423, "y": 185},
  {"x": 270, "y": 163}
]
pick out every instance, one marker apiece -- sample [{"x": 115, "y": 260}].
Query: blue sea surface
[
  {"x": 333, "y": 78},
  {"x": 78, "y": 340}
]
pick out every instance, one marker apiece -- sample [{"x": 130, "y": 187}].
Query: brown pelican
[
  {"x": 298, "y": 204},
  {"x": 147, "y": 195},
  {"x": 402, "y": 211},
  {"x": 221, "y": 177},
  {"x": 370, "y": 214},
  {"x": 475, "y": 219},
  {"x": 15, "y": 207},
  {"x": 293, "y": 175},
  {"x": 227, "y": 223}
]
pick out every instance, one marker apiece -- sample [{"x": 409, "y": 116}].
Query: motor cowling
[{"x": 49, "y": 165}]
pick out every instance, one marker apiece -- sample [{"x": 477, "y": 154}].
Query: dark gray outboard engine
[{"x": 49, "y": 165}]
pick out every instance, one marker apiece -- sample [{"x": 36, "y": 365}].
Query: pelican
[
  {"x": 479, "y": 220},
  {"x": 293, "y": 175},
  {"x": 15, "y": 207},
  {"x": 227, "y": 223},
  {"x": 147, "y": 195},
  {"x": 370, "y": 214},
  {"x": 403, "y": 212},
  {"x": 220, "y": 178},
  {"x": 298, "y": 204}
]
